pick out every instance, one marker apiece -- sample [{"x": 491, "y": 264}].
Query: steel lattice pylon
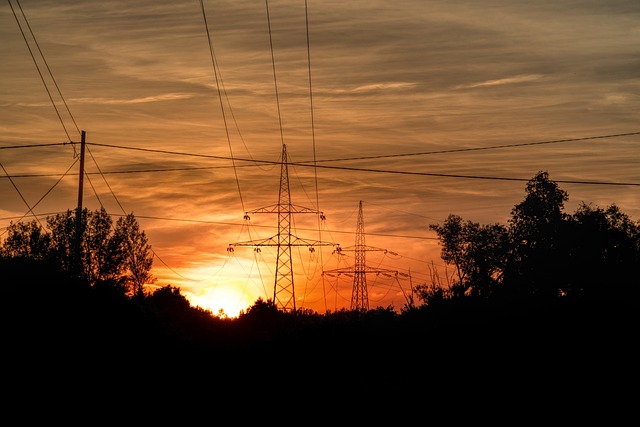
[
  {"x": 359, "y": 292},
  {"x": 283, "y": 287}
]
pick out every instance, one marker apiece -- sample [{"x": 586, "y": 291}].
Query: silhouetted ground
[{"x": 76, "y": 344}]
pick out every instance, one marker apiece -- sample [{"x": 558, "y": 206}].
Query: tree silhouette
[
  {"x": 603, "y": 254},
  {"x": 117, "y": 255},
  {"x": 26, "y": 240},
  {"x": 536, "y": 228},
  {"x": 130, "y": 246},
  {"x": 476, "y": 251},
  {"x": 542, "y": 253}
]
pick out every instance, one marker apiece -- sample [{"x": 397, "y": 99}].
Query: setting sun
[{"x": 223, "y": 302}]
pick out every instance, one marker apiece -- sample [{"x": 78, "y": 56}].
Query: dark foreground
[{"x": 67, "y": 348}]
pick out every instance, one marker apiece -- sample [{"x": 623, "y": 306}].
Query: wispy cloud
[
  {"x": 144, "y": 100},
  {"x": 505, "y": 81},
  {"x": 374, "y": 87}
]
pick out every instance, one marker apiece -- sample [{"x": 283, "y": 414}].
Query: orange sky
[{"x": 449, "y": 102}]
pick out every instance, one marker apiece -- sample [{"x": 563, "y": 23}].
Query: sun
[{"x": 222, "y": 302}]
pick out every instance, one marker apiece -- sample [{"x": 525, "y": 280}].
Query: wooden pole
[{"x": 79, "y": 228}]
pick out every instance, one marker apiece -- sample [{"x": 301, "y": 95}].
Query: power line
[
  {"x": 387, "y": 171},
  {"x": 307, "y": 164},
  {"x": 48, "y": 69},
  {"x": 525, "y": 144},
  {"x": 224, "y": 118},
  {"x": 273, "y": 67},
  {"x": 493, "y": 147},
  {"x": 34, "y": 145},
  {"x": 444, "y": 175},
  {"x": 313, "y": 128},
  {"x": 382, "y": 156},
  {"x": 41, "y": 198},
  {"x": 20, "y": 194},
  {"x": 355, "y": 169},
  {"x": 43, "y": 175}
]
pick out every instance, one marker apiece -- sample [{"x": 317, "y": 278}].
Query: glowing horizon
[{"x": 420, "y": 110}]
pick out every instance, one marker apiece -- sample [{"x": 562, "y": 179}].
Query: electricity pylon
[
  {"x": 359, "y": 292},
  {"x": 283, "y": 287}
]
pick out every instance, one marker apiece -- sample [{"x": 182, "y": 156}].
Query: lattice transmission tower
[
  {"x": 283, "y": 287},
  {"x": 359, "y": 292}
]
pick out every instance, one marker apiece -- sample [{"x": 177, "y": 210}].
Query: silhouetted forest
[{"x": 548, "y": 301}]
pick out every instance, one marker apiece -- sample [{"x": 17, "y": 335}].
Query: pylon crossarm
[
  {"x": 348, "y": 270},
  {"x": 273, "y": 241},
  {"x": 270, "y": 241},
  {"x": 283, "y": 209},
  {"x": 362, "y": 248},
  {"x": 354, "y": 270},
  {"x": 297, "y": 241},
  {"x": 379, "y": 271},
  {"x": 266, "y": 209}
]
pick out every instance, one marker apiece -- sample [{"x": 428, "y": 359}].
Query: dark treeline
[{"x": 549, "y": 295}]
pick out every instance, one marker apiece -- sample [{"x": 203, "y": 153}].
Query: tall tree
[
  {"x": 477, "y": 253},
  {"x": 26, "y": 239},
  {"x": 117, "y": 255},
  {"x": 536, "y": 228},
  {"x": 452, "y": 237},
  {"x": 132, "y": 248},
  {"x": 62, "y": 231},
  {"x": 543, "y": 252},
  {"x": 98, "y": 261},
  {"x": 604, "y": 253}
]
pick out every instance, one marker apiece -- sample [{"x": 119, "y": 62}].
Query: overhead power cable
[
  {"x": 40, "y": 175},
  {"x": 273, "y": 67},
  {"x": 20, "y": 194},
  {"x": 313, "y": 133},
  {"x": 310, "y": 164},
  {"x": 444, "y": 175},
  {"x": 48, "y": 69},
  {"x": 388, "y": 171},
  {"x": 492, "y": 147},
  {"x": 382, "y": 156},
  {"x": 224, "y": 118},
  {"x": 41, "y": 198},
  {"x": 33, "y": 145}
]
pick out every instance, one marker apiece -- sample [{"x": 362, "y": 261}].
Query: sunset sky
[{"x": 417, "y": 108}]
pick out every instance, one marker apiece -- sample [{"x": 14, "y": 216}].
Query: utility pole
[
  {"x": 79, "y": 229},
  {"x": 283, "y": 287},
  {"x": 359, "y": 292}
]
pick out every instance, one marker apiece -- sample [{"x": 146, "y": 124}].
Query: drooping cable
[
  {"x": 105, "y": 181},
  {"x": 56, "y": 183},
  {"x": 275, "y": 79},
  {"x": 33, "y": 145},
  {"x": 95, "y": 192},
  {"x": 388, "y": 171},
  {"x": 313, "y": 140},
  {"x": 35, "y": 62},
  {"x": 224, "y": 119},
  {"x": 20, "y": 193},
  {"x": 43, "y": 196},
  {"x": 59, "y": 117},
  {"x": 124, "y": 212}
]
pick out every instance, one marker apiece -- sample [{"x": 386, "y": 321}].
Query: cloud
[
  {"x": 144, "y": 100},
  {"x": 505, "y": 81},
  {"x": 378, "y": 87}
]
